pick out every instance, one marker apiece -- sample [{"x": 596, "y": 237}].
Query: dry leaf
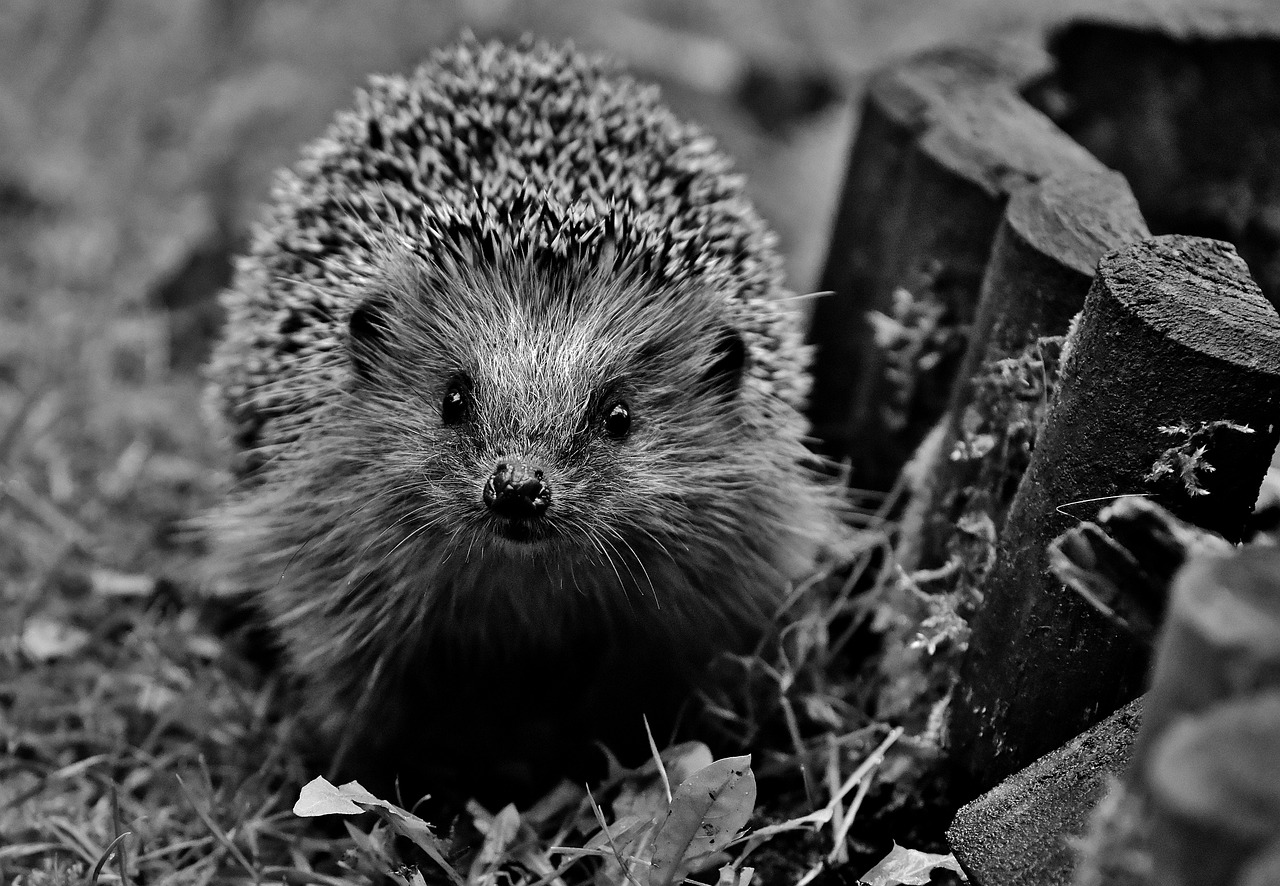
[
  {"x": 707, "y": 811},
  {"x": 107, "y": 583},
  {"x": 908, "y": 867},
  {"x": 47, "y": 639},
  {"x": 319, "y": 797}
]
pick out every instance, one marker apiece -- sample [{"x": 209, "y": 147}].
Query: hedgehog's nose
[{"x": 516, "y": 490}]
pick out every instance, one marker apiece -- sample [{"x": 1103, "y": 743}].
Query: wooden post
[
  {"x": 1208, "y": 756},
  {"x": 1124, "y": 563},
  {"x": 1181, "y": 98},
  {"x": 1049, "y": 243},
  {"x": 1021, "y": 832},
  {"x": 944, "y": 140},
  {"x": 1176, "y": 355}
]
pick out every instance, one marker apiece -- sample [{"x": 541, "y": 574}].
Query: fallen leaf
[
  {"x": 908, "y": 867},
  {"x": 502, "y": 829},
  {"x": 47, "y": 639},
  {"x": 686, "y": 759},
  {"x": 106, "y": 583},
  {"x": 205, "y": 647},
  {"x": 645, "y": 796},
  {"x": 320, "y": 797},
  {"x": 707, "y": 811},
  {"x": 730, "y": 877}
]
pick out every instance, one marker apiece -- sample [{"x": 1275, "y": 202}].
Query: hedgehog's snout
[{"x": 517, "y": 490}]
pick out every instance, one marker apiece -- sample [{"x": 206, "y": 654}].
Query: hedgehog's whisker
[
  {"x": 338, "y": 524},
  {"x": 399, "y": 522},
  {"x": 573, "y": 576},
  {"x": 806, "y": 296},
  {"x": 639, "y": 562},
  {"x": 389, "y": 603},
  {"x": 470, "y": 545},
  {"x": 606, "y": 549},
  {"x": 576, "y": 526},
  {"x": 657, "y": 541}
]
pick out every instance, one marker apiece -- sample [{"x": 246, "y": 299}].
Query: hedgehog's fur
[{"x": 533, "y": 222}]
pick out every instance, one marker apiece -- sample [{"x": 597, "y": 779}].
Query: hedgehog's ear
[
  {"x": 729, "y": 360},
  {"x": 367, "y": 333}
]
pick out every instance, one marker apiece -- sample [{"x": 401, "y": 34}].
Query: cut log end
[
  {"x": 1199, "y": 294},
  {"x": 1077, "y": 218}
]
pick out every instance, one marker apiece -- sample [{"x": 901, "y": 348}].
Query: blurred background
[{"x": 137, "y": 138}]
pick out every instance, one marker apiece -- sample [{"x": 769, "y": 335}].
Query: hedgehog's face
[{"x": 537, "y": 418}]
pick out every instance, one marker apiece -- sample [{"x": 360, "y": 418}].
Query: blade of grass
[
  {"x": 217, "y": 832},
  {"x": 102, "y": 862},
  {"x": 657, "y": 759},
  {"x": 117, "y": 826}
]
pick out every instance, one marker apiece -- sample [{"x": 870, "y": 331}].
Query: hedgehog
[{"x": 515, "y": 393}]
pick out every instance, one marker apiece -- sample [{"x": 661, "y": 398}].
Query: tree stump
[
  {"x": 1049, "y": 243},
  {"x": 944, "y": 140},
  {"x": 1170, "y": 388},
  {"x": 1209, "y": 755},
  {"x": 1182, "y": 101},
  {"x": 1020, "y": 833}
]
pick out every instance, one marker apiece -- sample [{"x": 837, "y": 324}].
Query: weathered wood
[
  {"x": 1264, "y": 868},
  {"x": 1222, "y": 636},
  {"x": 1201, "y": 800},
  {"x": 944, "y": 140},
  {"x": 900, "y": 103},
  {"x": 1183, "y": 102},
  {"x": 1019, "y": 833},
  {"x": 1045, "y": 252},
  {"x": 1195, "y": 781},
  {"x": 1214, "y": 779},
  {"x": 1124, "y": 564},
  {"x": 1174, "y": 337}
]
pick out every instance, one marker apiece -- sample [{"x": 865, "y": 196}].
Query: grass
[
  {"x": 144, "y": 735},
  {"x": 148, "y": 717}
]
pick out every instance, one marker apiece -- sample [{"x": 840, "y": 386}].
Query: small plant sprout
[{"x": 1187, "y": 461}]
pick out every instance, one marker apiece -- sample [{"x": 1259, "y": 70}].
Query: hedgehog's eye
[
  {"x": 456, "y": 403},
  {"x": 617, "y": 422}
]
